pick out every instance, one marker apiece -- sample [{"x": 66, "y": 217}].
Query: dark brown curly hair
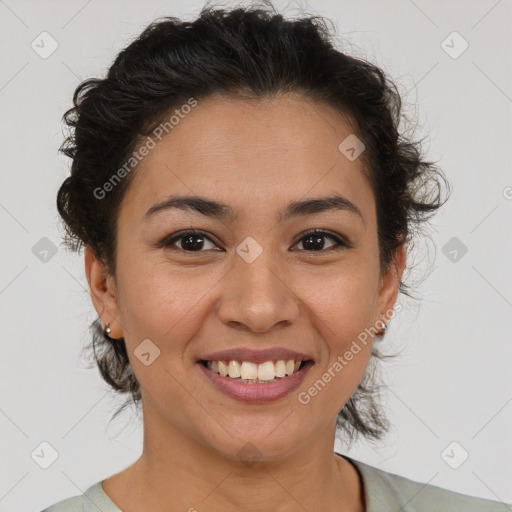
[{"x": 250, "y": 52}]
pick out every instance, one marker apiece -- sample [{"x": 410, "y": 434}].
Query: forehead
[{"x": 251, "y": 151}]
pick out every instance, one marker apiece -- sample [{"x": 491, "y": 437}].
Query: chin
[{"x": 252, "y": 442}]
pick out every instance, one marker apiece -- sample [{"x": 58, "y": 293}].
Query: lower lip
[{"x": 253, "y": 392}]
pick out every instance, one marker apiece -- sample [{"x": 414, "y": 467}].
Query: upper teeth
[{"x": 252, "y": 371}]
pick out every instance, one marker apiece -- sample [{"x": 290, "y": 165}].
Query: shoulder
[
  {"x": 385, "y": 491},
  {"x": 74, "y": 504},
  {"x": 92, "y": 500}
]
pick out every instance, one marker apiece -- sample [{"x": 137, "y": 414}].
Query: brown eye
[
  {"x": 314, "y": 241},
  {"x": 191, "y": 241}
]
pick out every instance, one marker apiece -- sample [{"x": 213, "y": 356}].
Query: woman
[{"x": 245, "y": 202}]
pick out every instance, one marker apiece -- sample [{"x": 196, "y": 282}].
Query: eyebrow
[{"x": 216, "y": 209}]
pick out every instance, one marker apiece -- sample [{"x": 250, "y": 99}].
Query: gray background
[{"x": 452, "y": 381}]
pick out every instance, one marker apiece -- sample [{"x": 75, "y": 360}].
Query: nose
[{"x": 257, "y": 297}]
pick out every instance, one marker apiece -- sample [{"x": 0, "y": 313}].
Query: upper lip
[{"x": 256, "y": 356}]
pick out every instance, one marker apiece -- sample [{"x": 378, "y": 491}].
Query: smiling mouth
[{"x": 252, "y": 373}]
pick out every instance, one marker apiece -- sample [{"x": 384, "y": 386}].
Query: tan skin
[{"x": 256, "y": 157}]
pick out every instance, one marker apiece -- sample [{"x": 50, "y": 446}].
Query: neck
[{"x": 176, "y": 469}]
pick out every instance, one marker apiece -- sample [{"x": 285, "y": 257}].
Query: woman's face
[{"x": 253, "y": 281}]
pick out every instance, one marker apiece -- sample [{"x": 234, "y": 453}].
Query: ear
[
  {"x": 390, "y": 282},
  {"x": 104, "y": 293}
]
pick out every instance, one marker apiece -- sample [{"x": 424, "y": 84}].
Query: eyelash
[{"x": 340, "y": 243}]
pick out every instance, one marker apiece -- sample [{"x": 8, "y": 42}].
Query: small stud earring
[
  {"x": 107, "y": 330},
  {"x": 383, "y": 331}
]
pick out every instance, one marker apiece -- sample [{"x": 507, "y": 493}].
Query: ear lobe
[{"x": 103, "y": 292}]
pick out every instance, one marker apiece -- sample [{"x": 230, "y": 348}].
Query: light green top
[{"x": 383, "y": 492}]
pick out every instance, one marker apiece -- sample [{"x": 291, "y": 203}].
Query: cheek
[
  {"x": 342, "y": 305},
  {"x": 160, "y": 303},
  {"x": 341, "y": 300}
]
